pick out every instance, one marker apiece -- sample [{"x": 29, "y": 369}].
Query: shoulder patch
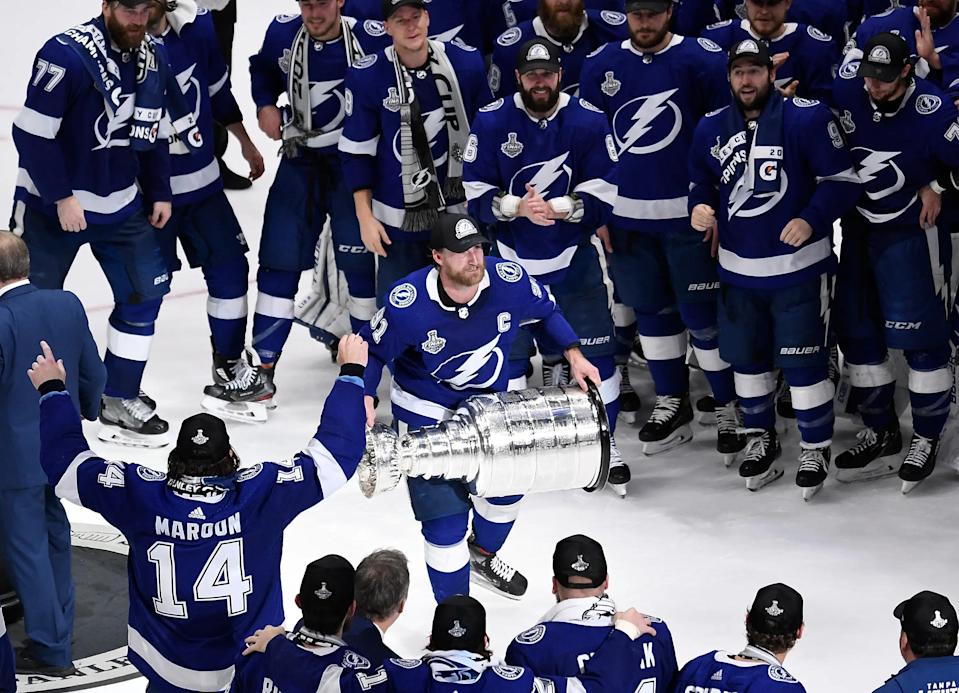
[
  {"x": 720, "y": 25},
  {"x": 778, "y": 673},
  {"x": 510, "y": 36},
  {"x": 507, "y": 672},
  {"x": 804, "y": 103},
  {"x": 588, "y": 106},
  {"x": 249, "y": 472},
  {"x": 818, "y": 35},
  {"x": 710, "y": 46},
  {"x": 365, "y": 61},
  {"x": 352, "y": 660},
  {"x": 536, "y": 633},
  {"x": 148, "y": 474},
  {"x": 926, "y": 104},
  {"x": 286, "y": 18},
  {"x": 403, "y": 295},
  {"x": 492, "y": 106},
  {"x": 460, "y": 43},
  {"x": 509, "y": 271},
  {"x": 849, "y": 70},
  {"x": 613, "y": 18},
  {"x": 406, "y": 663},
  {"x": 374, "y": 27}
]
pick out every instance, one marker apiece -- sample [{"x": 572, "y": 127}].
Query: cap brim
[
  {"x": 900, "y": 610},
  {"x": 461, "y": 246},
  {"x": 649, "y": 6},
  {"x": 884, "y": 73},
  {"x": 539, "y": 65},
  {"x": 750, "y": 58},
  {"x": 408, "y": 3}
]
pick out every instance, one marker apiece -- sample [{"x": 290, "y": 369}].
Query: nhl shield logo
[
  {"x": 580, "y": 565},
  {"x": 611, "y": 86},
  {"x": 457, "y": 631},
  {"x": 392, "y": 100},
  {"x": 511, "y": 147},
  {"x": 434, "y": 343},
  {"x": 323, "y": 593},
  {"x": 774, "y": 610}
]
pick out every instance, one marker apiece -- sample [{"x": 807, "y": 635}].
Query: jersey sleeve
[
  {"x": 476, "y": 91},
  {"x": 361, "y": 131},
  {"x": 590, "y": 82},
  {"x": 502, "y": 78},
  {"x": 267, "y": 80},
  {"x": 481, "y": 178},
  {"x": 154, "y": 172},
  {"x": 703, "y": 183},
  {"x": 544, "y": 317},
  {"x": 55, "y": 82},
  {"x": 946, "y": 149},
  {"x": 385, "y": 338},
  {"x": 598, "y": 166},
  {"x": 818, "y": 69},
  {"x": 225, "y": 108},
  {"x": 720, "y": 34}
]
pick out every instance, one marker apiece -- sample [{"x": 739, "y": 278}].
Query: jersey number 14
[{"x": 222, "y": 578}]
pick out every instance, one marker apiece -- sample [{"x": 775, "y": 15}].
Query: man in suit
[
  {"x": 382, "y": 583},
  {"x": 34, "y": 531}
]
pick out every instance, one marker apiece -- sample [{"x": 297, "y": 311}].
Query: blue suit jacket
[
  {"x": 364, "y": 637},
  {"x": 27, "y": 315}
]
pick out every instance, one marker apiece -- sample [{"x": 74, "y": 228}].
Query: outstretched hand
[
  {"x": 260, "y": 639},
  {"x": 352, "y": 349},
  {"x": 47, "y": 367}
]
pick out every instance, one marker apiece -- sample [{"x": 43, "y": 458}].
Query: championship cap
[
  {"x": 326, "y": 590},
  {"x": 582, "y": 557},
  {"x": 459, "y": 623},
  {"x": 538, "y": 54},
  {"x": 136, "y": 3},
  {"x": 927, "y": 616},
  {"x": 776, "y": 610},
  {"x": 455, "y": 232},
  {"x": 202, "y": 440},
  {"x": 884, "y": 57},
  {"x": 750, "y": 50},
  {"x": 648, "y": 5},
  {"x": 391, "y": 6}
]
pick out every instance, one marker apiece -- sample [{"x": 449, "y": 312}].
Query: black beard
[
  {"x": 760, "y": 101},
  {"x": 655, "y": 41},
  {"x": 533, "y": 107}
]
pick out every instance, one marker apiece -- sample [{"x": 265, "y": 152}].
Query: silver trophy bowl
[{"x": 501, "y": 444}]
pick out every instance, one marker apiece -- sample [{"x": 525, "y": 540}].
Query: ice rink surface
[{"x": 689, "y": 544}]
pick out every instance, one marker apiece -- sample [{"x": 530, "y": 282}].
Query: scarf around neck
[
  {"x": 586, "y": 611},
  {"x": 754, "y": 151}
]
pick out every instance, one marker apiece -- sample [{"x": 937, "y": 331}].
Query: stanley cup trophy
[{"x": 501, "y": 444}]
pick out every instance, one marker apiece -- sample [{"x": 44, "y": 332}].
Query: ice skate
[
  {"x": 668, "y": 425},
  {"x": 919, "y": 462},
  {"x": 870, "y": 458},
  {"x": 729, "y": 439},
  {"x": 706, "y": 411},
  {"x": 628, "y": 399},
  {"x": 131, "y": 423},
  {"x": 636, "y": 355},
  {"x": 619, "y": 474},
  {"x": 813, "y": 470},
  {"x": 244, "y": 398},
  {"x": 490, "y": 571},
  {"x": 759, "y": 466}
]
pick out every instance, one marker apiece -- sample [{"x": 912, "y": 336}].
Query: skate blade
[
  {"x": 247, "y": 412},
  {"x": 680, "y": 436},
  {"x": 619, "y": 490},
  {"x": 485, "y": 584},
  {"x": 729, "y": 458},
  {"x": 131, "y": 439},
  {"x": 908, "y": 486},
  {"x": 810, "y": 491},
  {"x": 705, "y": 418},
  {"x": 628, "y": 417},
  {"x": 877, "y": 469},
  {"x": 754, "y": 483}
]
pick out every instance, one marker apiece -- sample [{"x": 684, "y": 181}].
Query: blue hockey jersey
[
  {"x": 370, "y": 147},
  {"x": 573, "y": 630},
  {"x": 811, "y": 53},
  {"x": 441, "y": 355},
  {"x": 598, "y": 28},
  {"x": 815, "y": 181},
  {"x": 653, "y": 103},
  {"x": 900, "y": 153},
  {"x": 571, "y": 152},
  {"x": 926, "y": 674},
  {"x": 690, "y": 17},
  {"x": 449, "y": 19},
  {"x": 205, "y": 81},
  {"x": 721, "y": 671},
  {"x": 270, "y": 69},
  {"x": 71, "y": 142},
  {"x": 204, "y": 570},
  {"x": 288, "y": 667},
  {"x": 829, "y": 16},
  {"x": 505, "y": 14}
]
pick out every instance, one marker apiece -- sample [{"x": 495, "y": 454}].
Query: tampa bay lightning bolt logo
[
  {"x": 550, "y": 178},
  {"x": 477, "y": 369},
  {"x": 647, "y": 124},
  {"x": 874, "y": 165},
  {"x": 190, "y": 86},
  {"x": 328, "y": 104},
  {"x": 114, "y": 121}
]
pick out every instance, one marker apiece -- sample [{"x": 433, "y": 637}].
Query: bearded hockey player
[{"x": 206, "y": 537}]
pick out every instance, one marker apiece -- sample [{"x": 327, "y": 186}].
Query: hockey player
[
  {"x": 927, "y": 642},
  {"x": 447, "y": 331},
  {"x": 306, "y": 57},
  {"x": 89, "y": 165},
  {"x": 573, "y": 630},
  {"x": 775, "y": 174},
  {"x": 315, "y": 651},
  {"x": 540, "y": 165},
  {"x": 654, "y": 88},
  {"x": 449, "y": 20},
  {"x": 806, "y": 53},
  {"x": 505, "y": 14},
  {"x": 567, "y": 25},
  {"x": 893, "y": 233},
  {"x": 206, "y": 538},
  {"x": 203, "y": 220},
  {"x": 773, "y": 625},
  {"x": 829, "y": 16},
  {"x": 408, "y": 118}
]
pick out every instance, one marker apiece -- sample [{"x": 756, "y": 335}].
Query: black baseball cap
[
  {"x": 884, "y": 57},
  {"x": 776, "y": 610},
  {"x": 202, "y": 440},
  {"x": 538, "y": 54},
  {"x": 456, "y": 232},
  {"x": 752, "y": 50},
  {"x": 326, "y": 591},
  {"x": 927, "y": 616},
  {"x": 648, "y": 5},
  {"x": 391, "y": 6},
  {"x": 459, "y": 623},
  {"x": 579, "y": 556}
]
